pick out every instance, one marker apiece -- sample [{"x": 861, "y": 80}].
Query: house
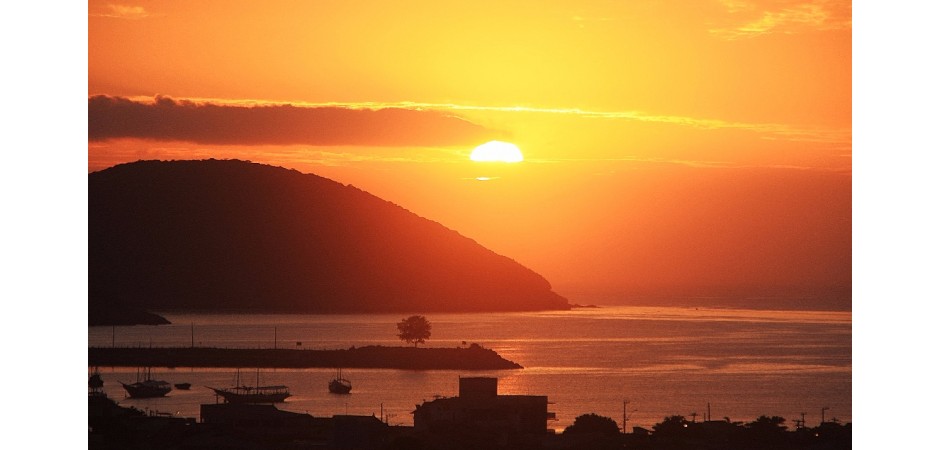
[{"x": 479, "y": 409}]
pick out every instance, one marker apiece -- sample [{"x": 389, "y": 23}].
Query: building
[
  {"x": 481, "y": 410},
  {"x": 267, "y": 426}
]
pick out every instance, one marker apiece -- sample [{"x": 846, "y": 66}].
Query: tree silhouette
[
  {"x": 671, "y": 426},
  {"x": 593, "y": 423},
  {"x": 414, "y": 329},
  {"x": 765, "y": 424}
]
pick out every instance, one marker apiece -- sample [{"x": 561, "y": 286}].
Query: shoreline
[{"x": 473, "y": 357}]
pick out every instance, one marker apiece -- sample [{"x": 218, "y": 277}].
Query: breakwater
[{"x": 473, "y": 357}]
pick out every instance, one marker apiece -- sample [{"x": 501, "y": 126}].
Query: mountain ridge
[{"x": 228, "y": 234}]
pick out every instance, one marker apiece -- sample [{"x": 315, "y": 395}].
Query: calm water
[{"x": 665, "y": 361}]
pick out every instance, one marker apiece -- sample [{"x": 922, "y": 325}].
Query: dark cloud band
[{"x": 167, "y": 119}]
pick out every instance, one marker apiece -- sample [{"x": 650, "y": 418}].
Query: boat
[
  {"x": 146, "y": 387},
  {"x": 183, "y": 386},
  {"x": 340, "y": 385},
  {"x": 252, "y": 394}
]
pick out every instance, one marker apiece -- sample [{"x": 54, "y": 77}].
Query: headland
[{"x": 472, "y": 357}]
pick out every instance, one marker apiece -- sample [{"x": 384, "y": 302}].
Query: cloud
[
  {"x": 166, "y": 119},
  {"x": 123, "y": 12},
  {"x": 734, "y": 6},
  {"x": 790, "y": 18},
  {"x": 769, "y": 131},
  {"x": 698, "y": 164}
]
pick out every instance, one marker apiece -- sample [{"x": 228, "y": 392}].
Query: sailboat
[
  {"x": 146, "y": 387},
  {"x": 252, "y": 394},
  {"x": 340, "y": 385}
]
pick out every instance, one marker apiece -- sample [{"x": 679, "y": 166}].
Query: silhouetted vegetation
[
  {"x": 671, "y": 426},
  {"x": 233, "y": 236},
  {"x": 677, "y": 433},
  {"x": 414, "y": 329},
  {"x": 764, "y": 424},
  {"x": 593, "y": 423}
]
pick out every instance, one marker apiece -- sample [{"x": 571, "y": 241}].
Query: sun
[{"x": 496, "y": 151}]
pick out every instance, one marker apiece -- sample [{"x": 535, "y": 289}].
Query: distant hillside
[{"x": 237, "y": 236}]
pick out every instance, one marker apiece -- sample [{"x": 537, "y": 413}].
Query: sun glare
[{"x": 496, "y": 151}]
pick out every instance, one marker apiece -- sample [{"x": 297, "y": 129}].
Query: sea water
[{"x": 651, "y": 362}]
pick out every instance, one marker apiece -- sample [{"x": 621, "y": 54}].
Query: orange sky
[{"x": 682, "y": 147}]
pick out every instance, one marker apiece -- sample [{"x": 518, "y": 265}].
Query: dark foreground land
[
  {"x": 257, "y": 427},
  {"x": 473, "y": 357}
]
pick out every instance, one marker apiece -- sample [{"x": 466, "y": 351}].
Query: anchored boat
[
  {"x": 340, "y": 385},
  {"x": 252, "y": 394},
  {"x": 146, "y": 386}
]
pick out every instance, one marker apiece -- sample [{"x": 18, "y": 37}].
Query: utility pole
[
  {"x": 708, "y": 411},
  {"x": 823, "y": 415},
  {"x": 625, "y": 401}
]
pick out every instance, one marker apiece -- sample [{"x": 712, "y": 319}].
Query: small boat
[
  {"x": 252, "y": 394},
  {"x": 183, "y": 386},
  {"x": 146, "y": 387},
  {"x": 340, "y": 385}
]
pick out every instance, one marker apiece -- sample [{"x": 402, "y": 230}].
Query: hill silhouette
[{"x": 228, "y": 235}]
